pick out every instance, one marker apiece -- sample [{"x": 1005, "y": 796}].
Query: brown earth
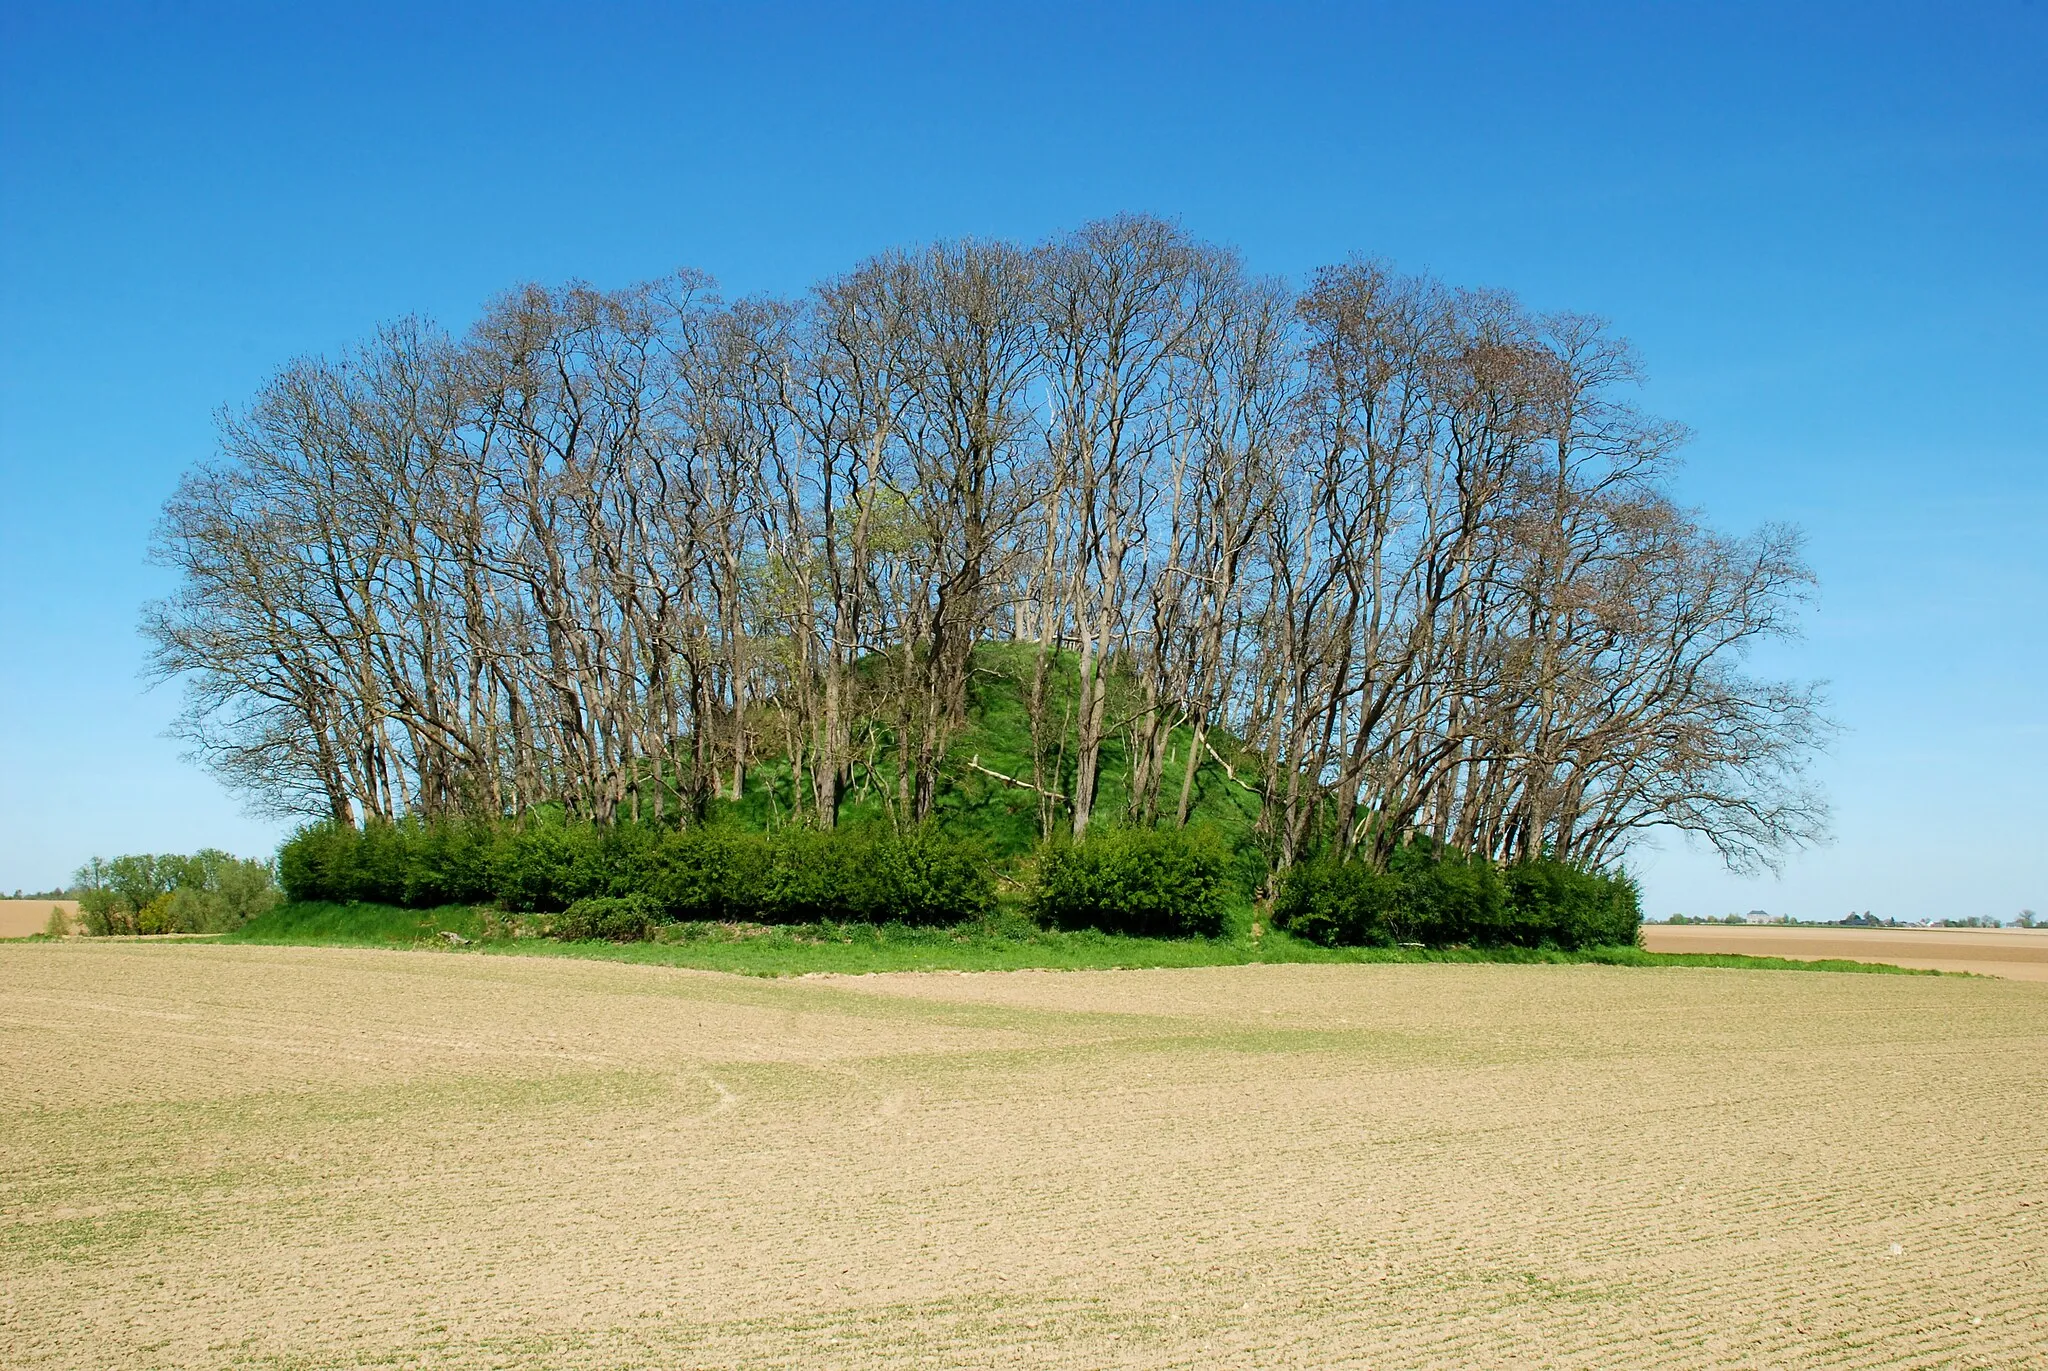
[
  {"x": 2014, "y": 953},
  {"x": 21, "y": 918},
  {"x": 300, "y": 1157}
]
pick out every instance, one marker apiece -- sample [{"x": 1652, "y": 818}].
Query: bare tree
[{"x": 1389, "y": 558}]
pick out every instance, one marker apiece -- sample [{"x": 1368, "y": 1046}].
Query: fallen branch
[
  {"x": 1250, "y": 790},
  {"x": 974, "y": 764}
]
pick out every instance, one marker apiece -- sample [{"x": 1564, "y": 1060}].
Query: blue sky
[{"x": 1826, "y": 228}]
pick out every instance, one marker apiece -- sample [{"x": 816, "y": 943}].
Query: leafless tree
[{"x": 1384, "y": 557}]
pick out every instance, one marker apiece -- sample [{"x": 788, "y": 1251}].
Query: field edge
[{"x": 998, "y": 944}]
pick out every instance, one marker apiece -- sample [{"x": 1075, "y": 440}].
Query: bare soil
[
  {"x": 23, "y": 918},
  {"x": 2013, "y": 953},
  {"x": 307, "y": 1157}
]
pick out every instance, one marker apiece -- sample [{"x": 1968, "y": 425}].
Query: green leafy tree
[{"x": 142, "y": 893}]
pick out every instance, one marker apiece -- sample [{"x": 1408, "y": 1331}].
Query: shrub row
[
  {"x": 616, "y": 881},
  {"x": 1441, "y": 898},
  {"x": 793, "y": 876}
]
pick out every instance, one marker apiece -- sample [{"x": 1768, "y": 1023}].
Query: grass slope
[
  {"x": 971, "y": 803},
  {"x": 1004, "y": 943},
  {"x": 315, "y": 923}
]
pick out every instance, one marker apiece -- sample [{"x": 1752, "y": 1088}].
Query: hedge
[
  {"x": 548, "y": 865},
  {"x": 1443, "y": 898},
  {"x": 607, "y": 918},
  {"x": 1148, "y": 883}
]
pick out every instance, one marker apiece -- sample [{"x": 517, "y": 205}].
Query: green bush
[
  {"x": 812, "y": 876},
  {"x": 868, "y": 874},
  {"x": 1557, "y": 903},
  {"x": 708, "y": 875},
  {"x": 547, "y": 864},
  {"x": 1151, "y": 883},
  {"x": 608, "y": 918},
  {"x": 1444, "y": 898},
  {"x": 450, "y": 862},
  {"x": 319, "y": 863},
  {"x": 939, "y": 880},
  {"x": 382, "y": 860},
  {"x": 1338, "y": 904}
]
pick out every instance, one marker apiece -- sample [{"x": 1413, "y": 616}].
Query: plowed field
[
  {"x": 20, "y": 918},
  {"x": 2013, "y": 953},
  {"x": 298, "y": 1157}
]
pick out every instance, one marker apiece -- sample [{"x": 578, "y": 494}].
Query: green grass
[
  {"x": 319, "y": 924},
  {"x": 996, "y": 735},
  {"x": 1005, "y": 942}
]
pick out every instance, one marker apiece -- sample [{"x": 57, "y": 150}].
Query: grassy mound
[{"x": 975, "y": 801}]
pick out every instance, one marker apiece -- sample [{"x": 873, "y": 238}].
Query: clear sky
[{"x": 1825, "y": 226}]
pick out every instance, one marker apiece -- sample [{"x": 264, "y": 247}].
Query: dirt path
[
  {"x": 293, "y": 1157},
  {"x": 2013, "y": 953}
]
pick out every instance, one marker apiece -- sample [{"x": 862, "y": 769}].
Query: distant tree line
[
  {"x": 1409, "y": 546},
  {"x": 206, "y": 892},
  {"x": 1866, "y": 919}
]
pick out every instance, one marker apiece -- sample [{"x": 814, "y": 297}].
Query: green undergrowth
[
  {"x": 1003, "y": 942},
  {"x": 318, "y": 923}
]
